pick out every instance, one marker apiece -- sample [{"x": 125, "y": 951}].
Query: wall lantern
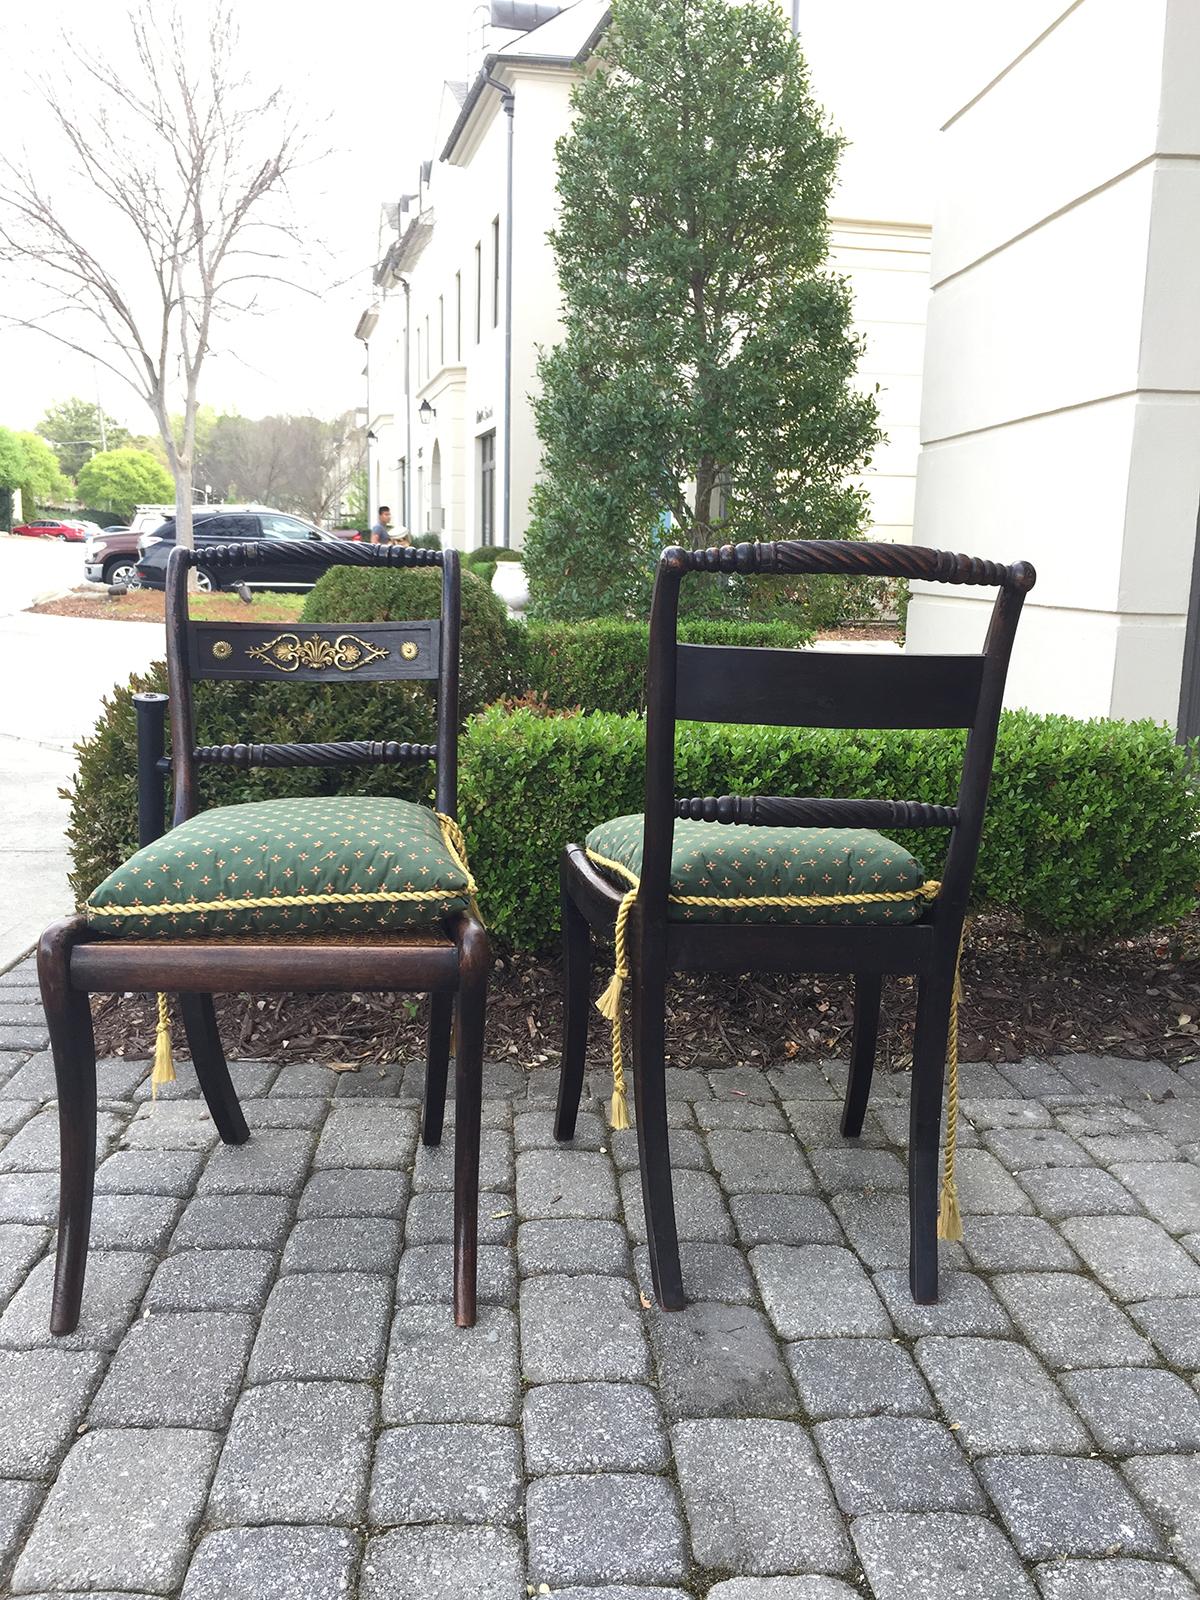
[{"x": 426, "y": 412}]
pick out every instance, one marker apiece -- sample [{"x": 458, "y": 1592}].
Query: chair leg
[
  {"x": 654, "y": 1150},
  {"x": 868, "y": 987},
  {"x": 924, "y": 1138},
  {"x": 437, "y": 1064},
  {"x": 69, "y": 1019},
  {"x": 577, "y": 978},
  {"x": 474, "y": 965},
  {"x": 212, "y": 1071}
]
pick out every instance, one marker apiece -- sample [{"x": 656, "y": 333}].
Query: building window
[
  {"x": 441, "y": 332},
  {"x": 428, "y": 350},
  {"x": 478, "y": 292},
  {"x": 418, "y": 355},
  {"x": 487, "y": 488},
  {"x": 495, "y": 272},
  {"x": 458, "y": 316}
]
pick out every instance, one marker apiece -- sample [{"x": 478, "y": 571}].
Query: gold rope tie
[
  {"x": 609, "y": 1005},
  {"x": 949, "y": 1223},
  {"x": 164, "y": 1060}
]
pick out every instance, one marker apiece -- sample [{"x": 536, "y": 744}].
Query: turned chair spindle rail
[
  {"x": 347, "y": 753},
  {"x": 784, "y": 811}
]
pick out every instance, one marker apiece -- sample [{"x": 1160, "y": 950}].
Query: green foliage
[
  {"x": 1091, "y": 830},
  {"x": 601, "y": 665},
  {"x": 482, "y": 562},
  {"x": 427, "y": 541},
  {"x": 43, "y": 478},
  {"x": 123, "y": 479},
  {"x": 73, "y": 429},
  {"x": 706, "y": 371},
  {"x": 13, "y": 461}
]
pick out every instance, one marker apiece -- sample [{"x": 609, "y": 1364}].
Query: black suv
[{"x": 221, "y": 526}]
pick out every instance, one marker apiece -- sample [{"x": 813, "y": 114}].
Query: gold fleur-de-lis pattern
[
  {"x": 343, "y": 863},
  {"x": 722, "y": 872}
]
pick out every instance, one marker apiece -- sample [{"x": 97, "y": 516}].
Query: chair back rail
[
  {"x": 825, "y": 689},
  {"x": 348, "y": 753},
  {"x": 850, "y": 558},
  {"x": 784, "y": 811},
  {"x": 371, "y": 652}
]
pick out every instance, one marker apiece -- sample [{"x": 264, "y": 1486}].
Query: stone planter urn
[{"x": 510, "y": 583}]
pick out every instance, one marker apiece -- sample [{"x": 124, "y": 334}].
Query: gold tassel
[
  {"x": 609, "y": 1003},
  {"x": 949, "y": 1223},
  {"x": 164, "y": 1061},
  {"x": 609, "y": 1006}
]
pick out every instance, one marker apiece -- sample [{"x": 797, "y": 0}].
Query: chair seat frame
[
  {"x": 786, "y": 688},
  {"x": 451, "y": 963}
]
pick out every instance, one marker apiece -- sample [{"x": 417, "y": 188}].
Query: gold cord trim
[{"x": 949, "y": 1224}]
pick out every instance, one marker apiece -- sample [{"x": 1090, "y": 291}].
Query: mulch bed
[
  {"x": 1139, "y": 998},
  {"x": 147, "y": 605}
]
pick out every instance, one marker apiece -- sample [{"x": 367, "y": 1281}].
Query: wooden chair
[
  {"x": 451, "y": 961},
  {"x": 784, "y": 688}
]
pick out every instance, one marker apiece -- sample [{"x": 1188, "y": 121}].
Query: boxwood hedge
[{"x": 1093, "y": 828}]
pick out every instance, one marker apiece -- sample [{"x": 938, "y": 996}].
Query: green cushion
[
  {"x": 353, "y": 863},
  {"x": 734, "y": 864}
]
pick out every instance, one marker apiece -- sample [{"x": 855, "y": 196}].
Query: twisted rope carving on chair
[{"x": 850, "y": 558}]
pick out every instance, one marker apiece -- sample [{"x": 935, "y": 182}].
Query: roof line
[{"x": 500, "y": 58}]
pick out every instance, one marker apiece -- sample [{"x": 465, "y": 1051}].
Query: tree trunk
[{"x": 706, "y": 482}]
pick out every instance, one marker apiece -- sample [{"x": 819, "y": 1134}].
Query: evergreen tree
[{"x": 707, "y": 363}]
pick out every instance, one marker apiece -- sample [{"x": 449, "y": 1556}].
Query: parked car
[
  {"x": 111, "y": 557},
  {"x": 74, "y": 531},
  {"x": 221, "y": 525}
]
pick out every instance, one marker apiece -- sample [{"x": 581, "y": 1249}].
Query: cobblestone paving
[{"x": 266, "y": 1396}]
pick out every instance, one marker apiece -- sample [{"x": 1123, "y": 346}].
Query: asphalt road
[{"x": 54, "y": 672}]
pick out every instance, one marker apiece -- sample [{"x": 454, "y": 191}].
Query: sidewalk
[
  {"x": 267, "y": 1395},
  {"x": 56, "y": 671}
]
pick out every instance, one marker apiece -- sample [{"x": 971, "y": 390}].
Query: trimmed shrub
[
  {"x": 482, "y": 562},
  {"x": 601, "y": 665},
  {"x": 103, "y": 827},
  {"x": 1091, "y": 832}
]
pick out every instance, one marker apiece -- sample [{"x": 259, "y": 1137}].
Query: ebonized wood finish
[
  {"x": 736, "y": 684},
  {"x": 451, "y": 964}
]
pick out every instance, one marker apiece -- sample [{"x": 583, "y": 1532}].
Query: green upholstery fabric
[
  {"x": 733, "y": 864},
  {"x": 354, "y": 862}
]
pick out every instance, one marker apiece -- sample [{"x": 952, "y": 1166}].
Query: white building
[
  {"x": 1061, "y": 411},
  {"x": 444, "y": 345}
]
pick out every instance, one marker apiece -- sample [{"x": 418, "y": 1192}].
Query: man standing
[{"x": 381, "y": 533}]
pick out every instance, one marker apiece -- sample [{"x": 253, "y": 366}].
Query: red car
[{"x": 74, "y": 531}]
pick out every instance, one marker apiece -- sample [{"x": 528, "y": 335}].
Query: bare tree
[
  {"x": 300, "y": 464},
  {"x": 174, "y": 217}
]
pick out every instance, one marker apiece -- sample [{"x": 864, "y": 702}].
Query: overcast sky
[{"x": 373, "y": 70}]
